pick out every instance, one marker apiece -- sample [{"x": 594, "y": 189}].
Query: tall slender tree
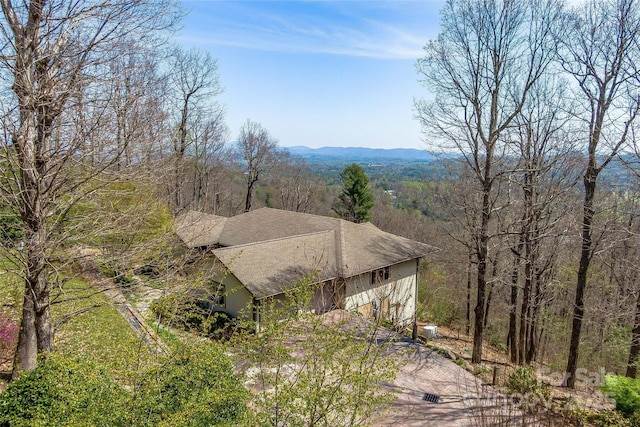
[
  {"x": 543, "y": 175},
  {"x": 483, "y": 64},
  {"x": 601, "y": 51},
  {"x": 194, "y": 82},
  {"x": 259, "y": 151}
]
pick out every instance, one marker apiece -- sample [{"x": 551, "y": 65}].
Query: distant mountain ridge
[{"x": 354, "y": 154}]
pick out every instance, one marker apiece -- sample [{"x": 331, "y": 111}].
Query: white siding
[{"x": 395, "y": 295}]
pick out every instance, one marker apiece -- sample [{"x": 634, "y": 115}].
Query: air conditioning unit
[{"x": 429, "y": 331}]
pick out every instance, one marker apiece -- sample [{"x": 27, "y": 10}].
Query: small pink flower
[{"x": 8, "y": 329}]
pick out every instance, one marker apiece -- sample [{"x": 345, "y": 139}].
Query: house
[{"x": 265, "y": 251}]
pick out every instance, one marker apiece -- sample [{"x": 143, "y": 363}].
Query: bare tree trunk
[
  {"x": 526, "y": 297},
  {"x": 494, "y": 274},
  {"x": 483, "y": 243},
  {"x": 532, "y": 342},
  {"x": 513, "y": 303},
  {"x": 36, "y": 322},
  {"x": 470, "y": 263},
  {"x": 27, "y": 349},
  {"x": 249, "y": 196},
  {"x": 634, "y": 351},
  {"x": 585, "y": 259}
]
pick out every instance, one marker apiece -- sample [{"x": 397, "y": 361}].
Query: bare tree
[
  {"x": 135, "y": 108},
  {"x": 542, "y": 175},
  {"x": 481, "y": 68},
  {"x": 193, "y": 79},
  {"x": 259, "y": 152},
  {"x": 210, "y": 161},
  {"x": 55, "y": 58},
  {"x": 602, "y": 52},
  {"x": 297, "y": 189}
]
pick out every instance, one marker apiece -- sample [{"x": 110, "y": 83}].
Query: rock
[{"x": 450, "y": 355}]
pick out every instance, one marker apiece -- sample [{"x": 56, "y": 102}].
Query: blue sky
[{"x": 318, "y": 73}]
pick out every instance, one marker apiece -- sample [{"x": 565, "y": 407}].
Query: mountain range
[{"x": 356, "y": 154}]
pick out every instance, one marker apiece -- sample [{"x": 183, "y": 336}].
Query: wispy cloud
[{"x": 382, "y": 29}]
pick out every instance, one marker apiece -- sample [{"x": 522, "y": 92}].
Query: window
[{"x": 379, "y": 275}]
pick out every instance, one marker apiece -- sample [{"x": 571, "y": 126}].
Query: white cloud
[{"x": 336, "y": 28}]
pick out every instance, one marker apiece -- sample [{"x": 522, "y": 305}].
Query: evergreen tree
[{"x": 356, "y": 200}]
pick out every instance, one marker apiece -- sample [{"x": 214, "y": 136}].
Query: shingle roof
[
  {"x": 268, "y": 224},
  {"x": 197, "y": 229},
  {"x": 268, "y": 249},
  {"x": 267, "y": 268}
]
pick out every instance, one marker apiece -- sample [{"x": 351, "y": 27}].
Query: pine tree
[{"x": 356, "y": 200}]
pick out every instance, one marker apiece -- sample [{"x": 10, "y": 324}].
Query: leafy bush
[
  {"x": 443, "y": 312},
  {"x": 626, "y": 392},
  {"x": 195, "y": 386},
  {"x": 435, "y": 303},
  {"x": 61, "y": 390},
  {"x": 612, "y": 418},
  {"x": 523, "y": 381},
  {"x": 117, "y": 272},
  {"x": 193, "y": 315},
  {"x": 323, "y": 370}
]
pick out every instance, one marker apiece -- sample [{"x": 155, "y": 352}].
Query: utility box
[{"x": 429, "y": 331}]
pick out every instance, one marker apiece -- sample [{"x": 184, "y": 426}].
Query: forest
[{"x": 530, "y": 192}]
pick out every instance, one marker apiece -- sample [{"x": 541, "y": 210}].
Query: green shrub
[
  {"x": 61, "y": 391},
  {"x": 442, "y": 311},
  {"x": 523, "y": 381},
  {"x": 625, "y": 391},
  {"x": 191, "y": 314},
  {"x": 116, "y": 272},
  {"x": 611, "y": 418},
  {"x": 195, "y": 386}
]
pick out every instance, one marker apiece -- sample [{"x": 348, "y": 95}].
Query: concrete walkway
[
  {"x": 462, "y": 399},
  {"x": 426, "y": 371}
]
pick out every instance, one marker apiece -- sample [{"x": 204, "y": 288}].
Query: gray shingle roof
[
  {"x": 267, "y": 268},
  {"x": 269, "y": 249},
  {"x": 198, "y": 229}
]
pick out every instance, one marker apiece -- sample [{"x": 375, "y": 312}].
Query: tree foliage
[
  {"x": 356, "y": 199},
  {"x": 194, "y": 386}
]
